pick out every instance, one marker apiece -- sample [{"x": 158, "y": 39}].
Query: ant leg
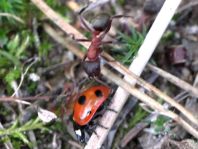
[
  {"x": 110, "y": 21},
  {"x": 80, "y": 40},
  {"x": 121, "y": 16},
  {"x": 83, "y": 40},
  {"x": 107, "y": 42},
  {"x": 109, "y": 25},
  {"x": 100, "y": 81},
  {"x": 111, "y": 42},
  {"x": 85, "y": 56}
]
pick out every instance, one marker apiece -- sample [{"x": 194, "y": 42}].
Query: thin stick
[
  {"x": 12, "y": 16},
  {"x": 75, "y": 144},
  {"x": 175, "y": 80},
  {"x": 23, "y": 75}
]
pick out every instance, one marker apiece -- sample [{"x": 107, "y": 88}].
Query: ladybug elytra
[{"x": 86, "y": 107}]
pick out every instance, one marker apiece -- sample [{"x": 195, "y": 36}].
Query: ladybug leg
[
  {"x": 96, "y": 133},
  {"x": 102, "y": 126},
  {"x": 112, "y": 110}
]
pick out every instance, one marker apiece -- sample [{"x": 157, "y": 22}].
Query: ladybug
[{"x": 87, "y": 108}]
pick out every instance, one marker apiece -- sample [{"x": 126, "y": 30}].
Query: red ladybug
[{"x": 86, "y": 107}]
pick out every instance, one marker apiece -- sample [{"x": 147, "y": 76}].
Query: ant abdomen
[
  {"x": 92, "y": 68},
  {"x": 101, "y": 21}
]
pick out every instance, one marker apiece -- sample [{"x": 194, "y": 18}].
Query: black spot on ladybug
[
  {"x": 81, "y": 100},
  {"x": 98, "y": 93}
]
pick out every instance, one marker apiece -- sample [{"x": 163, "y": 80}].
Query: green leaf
[
  {"x": 3, "y": 38},
  {"x": 14, "y": 125},
  {"x": 13, "y": 44},
  {"x": 23, "y": 46},
  {"x": 44, "y": 48},
  {"x": 10, "y": 57},
  {"x": 131, "y": 44},
  {"x": 22, "y": 137},
  {"x": 159, "y": 123},
  {"x": 12, "y": 75},
  {"x": 138, "y": 116}
]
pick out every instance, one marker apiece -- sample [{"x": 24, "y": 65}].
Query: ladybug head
[
  {"x": 92, "y": 68},
  {"x": 81, "y": 134}
]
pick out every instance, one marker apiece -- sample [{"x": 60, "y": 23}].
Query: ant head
[
  {"x": 101, "y": 22},
  {"x": 92, "y": 68}
]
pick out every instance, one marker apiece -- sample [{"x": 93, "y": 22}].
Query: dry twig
[
  {"x": 175, "y": 80},
  {"x": 188, "y": 5}
]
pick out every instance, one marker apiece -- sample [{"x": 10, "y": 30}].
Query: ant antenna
[
  {"x": 81, "y": 11},
  {"x": 100, "y": 81},
  {"x": 84, "y": 22}
]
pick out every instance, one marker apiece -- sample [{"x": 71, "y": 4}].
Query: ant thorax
[{"x": 94, "y": 50}]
